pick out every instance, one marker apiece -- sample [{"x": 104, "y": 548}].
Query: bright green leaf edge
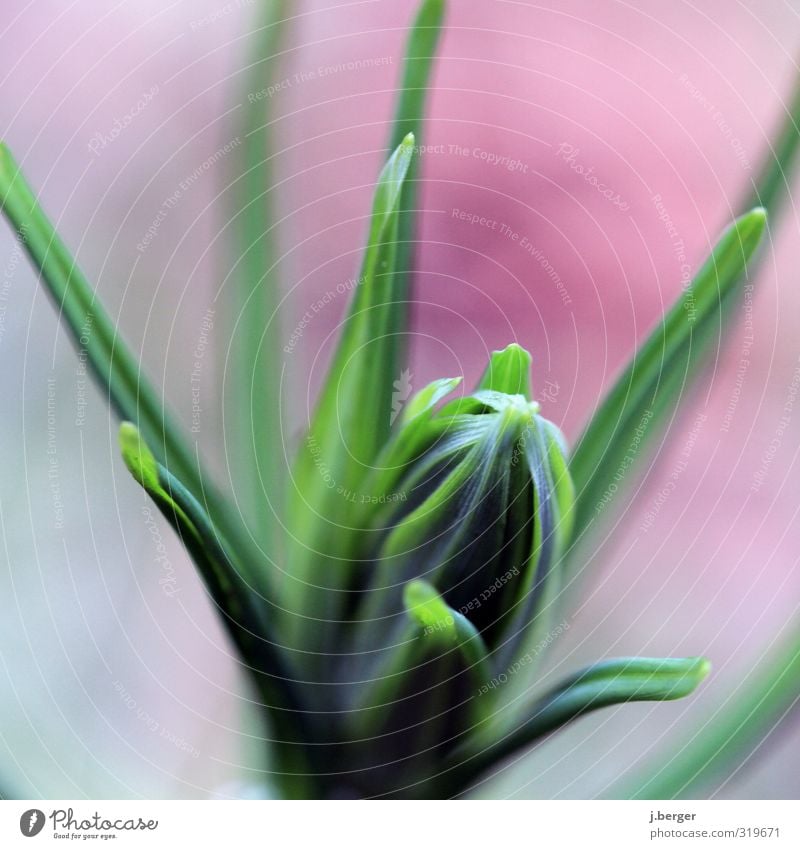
[
  {"x": 607, "y": 683},
  {"x": 91, "y": 329},
  {"x": 645, "y": 391}
]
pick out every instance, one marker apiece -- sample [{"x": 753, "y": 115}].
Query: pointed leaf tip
[
  {"x": 138, "y": 457},
  {"x": 431, "y": 613},
  {"x": 658, "y": 374},
  {"x": 509, "y": 371},
  {"x": 426, "y": 606},
  {"x": 751, "y": 225}
]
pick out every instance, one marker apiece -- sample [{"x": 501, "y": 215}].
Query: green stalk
[
  {"x": 409, "y": 116},
  {"x": 252, "y": 411}
]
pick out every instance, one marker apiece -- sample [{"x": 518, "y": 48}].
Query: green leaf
[
  {"x": 650, "y": 387},
  {"x": 91, "y": 329},
  {"x": 603, "y": 684},
  {"x": 244, "y": 613},
  {"x": 89, "y": 325},
  {"x": 350, "y": 425},
  {"x": 437, "y": 646},
  {"x": 353, "y": 413},
  {"x": 423, "y": 403},
  {"x": 423, "y": 40},
  {"x": 448, "y": 627},
  {"x": 252, "y": 289},
  {"x": 730, "y": 735},
  {"x": 147, "y": 472},
  {"x": 509, "y": 371},
  {"x": 740, "y": 729},
  {"x": 770, "y": 190}
]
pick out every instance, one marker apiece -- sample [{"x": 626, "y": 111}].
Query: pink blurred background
[{"x": 115, "y": 677}]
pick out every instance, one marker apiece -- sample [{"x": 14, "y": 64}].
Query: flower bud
[{"x": 475, "y": 499}]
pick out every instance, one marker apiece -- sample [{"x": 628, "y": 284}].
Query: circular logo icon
[{"x": 31, "y": 822}]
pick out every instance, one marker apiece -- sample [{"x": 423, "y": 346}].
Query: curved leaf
[
  {"x": 111, "y": 362},
  {"x": 437, "y": 647},
  {"x": 603, "y": 684},
  {"x": 246, "y": 622}
]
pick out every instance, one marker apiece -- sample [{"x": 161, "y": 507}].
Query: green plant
[{"x": 388, "y": 660}]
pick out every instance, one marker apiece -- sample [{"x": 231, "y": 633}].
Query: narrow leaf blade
[
  {"x": 651, "y": 384},
  {"x": 111, "y": 363},
  {"x": 421, "y": 47},
  {"x": 252, "y": 414},
  {"x": 244, "y": 613},
  {"x": 603, "y": 684},
  {"x": 349, "y": 427}
]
